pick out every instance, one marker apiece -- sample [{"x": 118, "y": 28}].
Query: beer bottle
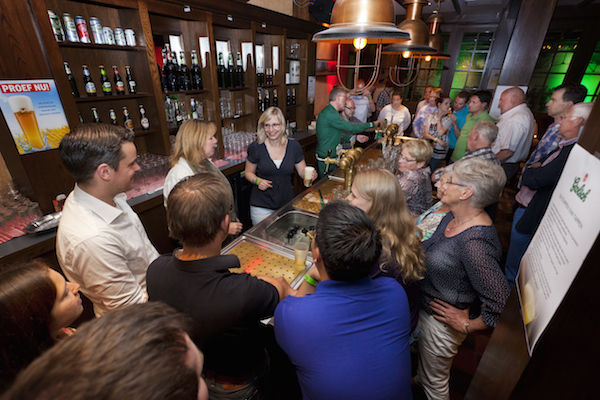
[
  {"x": 128, "y": 122},
  {"x": 90, "y": 87},
  {"x": 106, "y": 86},
  {"x": 229, "y": 80},
  {"x": 293, "y": 96},
  {"x": 161, "y": 71},
  {"x": 171, "y": 73},
  {"x": 71, "y": 79},
  {"x": 184, "y": 73},
  {"x": 269, "y": 77},
  {"x": 143, "y": 119},
  {"x": 196, "y": 72},
  {"x": 239, "y": 70},
  {"x": 220, "y": 71},
  {"x": 260, "y": 102},
  {"x": 113, "y": 116},
  {"x": 275, "y": 98},
  {"x": 131, "y": 84},
  {"x": 266, "y": 102},
  {"x": 95, "y": 116},
  {"x": 288, "y": 99},
  {"x": 178, "y": 115},
  {"x": 193, "y": 108},
  {"x": 119, "y": 85},
  {"x": 260, "y": 77}
]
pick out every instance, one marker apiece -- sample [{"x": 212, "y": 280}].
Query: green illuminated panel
[
  {"x": 436, "y": 79},
  {"x": 553, "y": 81},
  {"x": 474, "y": 79},
  {"x": 591, "y": 82},
  {"x": 479, "y": 61},
  {"x": 594, "y": 65},
  {"x": 561, "y": 62},
  {"x": 454, "y": 92},
  {"x": 544, "y": 62},
  {"x": 464, "y": 61},
  {"x": 459, "y": 79},
  {"x": 468, "y": 42}
]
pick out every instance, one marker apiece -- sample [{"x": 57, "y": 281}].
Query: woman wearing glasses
[
  {"x": 271, "y": 162},
  {"x": 464, "y": 289},
  {"x": 414, "y": 175}
]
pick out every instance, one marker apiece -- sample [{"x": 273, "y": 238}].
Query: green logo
[{"x": 580, "y": 190}]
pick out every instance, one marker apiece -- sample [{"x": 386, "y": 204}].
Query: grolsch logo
[{"x": 578, "y": 188}]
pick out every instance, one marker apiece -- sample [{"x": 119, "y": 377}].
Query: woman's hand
[
  {"x": 264, "y": 184},
  {"x": 450, "y": 315},
  {"x": 235, "y": 228}
]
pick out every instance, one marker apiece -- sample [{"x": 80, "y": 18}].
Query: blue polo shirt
[
  {"x": 348, "y": 340},
  {"x": 461, "y": 118}
]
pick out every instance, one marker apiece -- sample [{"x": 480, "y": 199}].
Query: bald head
[
  {"x": 349, "y": 108},
  {"x": 511, "y": 98}
]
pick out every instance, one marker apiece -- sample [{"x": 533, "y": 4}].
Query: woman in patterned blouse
[
  {"x": 414, "y": 175},
  {"x": 464, "y": 289}
]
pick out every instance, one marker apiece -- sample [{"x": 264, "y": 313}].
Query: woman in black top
[
  {"x": 271, "y": 162},
  {"x": 464, "y": 289}
]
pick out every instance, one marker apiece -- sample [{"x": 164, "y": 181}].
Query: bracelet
[
  {"x": 467, "y": 327},
  {"x": 257, "y": 181},
  {"x": 310, "y": 280}
]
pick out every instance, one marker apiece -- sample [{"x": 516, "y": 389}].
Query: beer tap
[
  {"x": 347, "y": 162},
  {"x": 389, "y": 134}
]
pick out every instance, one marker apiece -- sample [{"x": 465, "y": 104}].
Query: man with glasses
[
  {"x": 331, "y": 126},
  {"x": 348, "y": 115}
]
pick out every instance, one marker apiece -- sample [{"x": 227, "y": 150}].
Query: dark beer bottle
[
  {"x": 260, "y": 102},
  {"x": 128, "y": 122},
  {"x": 293, "y": 96},
  {"x": 106, "y": 86},
  {"x": 90, "y": 87},
  {"x": 229, "y": 79},
  {"x": 221, "y": 71},
  {"x": 184, "y": 73},
  {"x": 119, "y": 85},
  {"x": 71, "y": 79},
  {"x": 275, "y": 98},
  {"x": 131, "y": 84},
  {"x": 266, "y": 101},
  {"x": 170, "y": 70},
  {"x": 239, "y": 71},
  {"x": 196, "y": 72}
]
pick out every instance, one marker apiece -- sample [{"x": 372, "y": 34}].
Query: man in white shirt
[
  {"x": 396, "y": 112},
  {"x": 101, "y": 243},
  {"x": 515, "y": 130},
  {"x": 426, "y": 94}
]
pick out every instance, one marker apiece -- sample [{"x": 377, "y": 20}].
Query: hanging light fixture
[
  {"x": 417, "y": 46},
  {"x": 361, "y": 22},
  {"x": 436, "y": 41}
]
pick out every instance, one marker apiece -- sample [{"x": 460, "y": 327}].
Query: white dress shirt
[
  {"x": 400, "y": 117},
  {"x": 515, "y": 132},
  {"x": 179, "y": 171},
  {"x": 104, "y": 249},
  {"x": 362, "y": 106}
]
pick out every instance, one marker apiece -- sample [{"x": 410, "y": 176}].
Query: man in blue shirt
[
  {"x": 459, "y": 117},
  {"x": 350, "y": 338}
]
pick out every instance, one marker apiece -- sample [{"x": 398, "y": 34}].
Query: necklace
[{"x": 451, "y": 229}]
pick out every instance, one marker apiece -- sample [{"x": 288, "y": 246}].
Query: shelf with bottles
[
  {"x": 93, "y": 46},
  {"x": 90, "y": 99},
  {"x": 186, "y": 92},
  {"x": 179, "y": 108},
  {"x": 131, "y": 114}
]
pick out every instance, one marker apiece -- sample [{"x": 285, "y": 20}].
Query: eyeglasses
[
  {"x": 449, "y": 182},
  {"x": 277, "y": 125},
  {"x": 350, "y": 108},
  {"x": 401, "y": 157}
]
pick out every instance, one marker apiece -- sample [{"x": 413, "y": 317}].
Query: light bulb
[
  {"x": 359, "y": 43},
  {"x": 406, "y": 54},
  {"x": 428, "y": 58}
]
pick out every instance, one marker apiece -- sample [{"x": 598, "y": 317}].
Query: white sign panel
[{"x": 561, "y": 243}]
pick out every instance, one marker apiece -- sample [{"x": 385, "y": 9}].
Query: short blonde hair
[
  {"x": 189, "y": 143},
  {"x": 401, "y": 244},
  {"x": 268, "y": 114},
  {"x": 483, "y": 176},
  {"x": 419, "y": 149}
]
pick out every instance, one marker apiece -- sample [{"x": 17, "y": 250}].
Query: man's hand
[
  {"x": 283, "y": 288},
  {"x": 235, "y": 228},
  {"x": 379, "y": 123}
]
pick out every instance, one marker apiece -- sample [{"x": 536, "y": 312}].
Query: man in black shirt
[{"x": 226, "y": 308}]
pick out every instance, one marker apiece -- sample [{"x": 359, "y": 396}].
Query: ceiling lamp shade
[
  {"x": 372, "y": 20},
  {"x": 436, "y": 41},
  {"x": 414, "y": 25}
]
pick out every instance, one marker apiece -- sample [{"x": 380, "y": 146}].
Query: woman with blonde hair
[
  {"x": 414, "y": 175},
  {"x": 270, "y": 165},
  {"x": 378, "y": 193},
  {"x": 194, "y": 146}
]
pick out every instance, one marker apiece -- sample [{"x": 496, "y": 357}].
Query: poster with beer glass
[{"x": 33, "y": 113}]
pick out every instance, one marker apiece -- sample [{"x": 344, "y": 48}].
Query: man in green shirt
[
  {"x": 478, "y": 105},
  {"x": 331, "y": 126}
]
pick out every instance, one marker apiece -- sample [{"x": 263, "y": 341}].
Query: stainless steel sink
[{"x": 290, "y": 227}]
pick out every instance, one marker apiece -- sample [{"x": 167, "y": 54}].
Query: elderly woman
[
  {"x": 429, "y": 220},
  {"x": 377, "y": 192},
  {"x": 414, "y": 175},
  {"x": 538, "y": 182},
  {"x": 464, "y": 289},
  {"x": 36, "y": 307},
  {"x": 194, "y": 146},
  {"x": 270, "y": 165}
]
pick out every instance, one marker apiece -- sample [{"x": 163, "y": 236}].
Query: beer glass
[
  {"x": 308, "y": 174},
  {"x": 22, "y": 107},
  {"x": 300, "y": 254}
]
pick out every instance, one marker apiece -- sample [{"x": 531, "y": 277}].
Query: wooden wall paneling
[
  {"x": 583, "y": 54},
  {"x": 214, "y": 90},
  {"x": 526, "y": 42}
]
